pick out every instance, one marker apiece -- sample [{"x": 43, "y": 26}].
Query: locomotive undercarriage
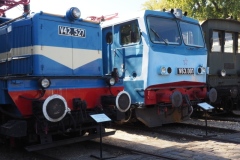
[
  {"x": 228, "y": 100},
  {"x": 40, "y": 133},
  {"x": 159, "y": 114},
  {"x": 53, "y": 123},
  {"x": 171, "y": 105}
]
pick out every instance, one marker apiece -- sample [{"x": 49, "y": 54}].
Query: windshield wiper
[{"x": 160, "y": 37}]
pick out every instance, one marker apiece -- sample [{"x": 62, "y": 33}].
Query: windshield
[
  {"x": 192, "y": 34},
  {"x": 163, "y": 30},
  {"x": 166, "y": 31}
]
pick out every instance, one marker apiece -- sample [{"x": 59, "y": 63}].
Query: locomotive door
[
  {"x": 127, "y": 49},
  {"x": 107, "y": 45},
  {"x": 56, "y": 48}
]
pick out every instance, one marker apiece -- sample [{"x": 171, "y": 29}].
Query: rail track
[
  {"x": 223, "y": 117},
  {"x": 187, "y": 131}
]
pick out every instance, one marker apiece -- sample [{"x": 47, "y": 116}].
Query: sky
[{"x": 87, "y": 7}]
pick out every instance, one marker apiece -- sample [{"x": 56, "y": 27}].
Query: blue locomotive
[
  {"x": 162, "y": 59},
  {"x": 52, "y": 80}
]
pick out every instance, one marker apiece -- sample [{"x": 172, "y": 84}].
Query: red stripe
[{"x": 91, "y": 96}]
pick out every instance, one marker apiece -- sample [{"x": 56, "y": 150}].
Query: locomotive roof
[
  {"x": 221, "y": 24},
  {"x": 142, "y": 14},
  {"x": 214, "y": 20}
]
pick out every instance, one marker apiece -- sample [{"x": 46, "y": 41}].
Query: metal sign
[
  {"x": 100, "y": 117},
  {"x": 205, "y": 106}
]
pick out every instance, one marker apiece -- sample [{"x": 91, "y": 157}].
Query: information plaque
[
  {"x": 100, "y": 118},
  {"x": 205, "y": 106}
]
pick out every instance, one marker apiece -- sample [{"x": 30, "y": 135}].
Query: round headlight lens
[
  {"x": 111, "y": 81},
  {"x": 45, "y": 83},
  {"x": 163, "y": 70},
  {"x": 223, "y": 73},
  {"x": 73, "y": 13},
  {"x": 76, "y": 13}
]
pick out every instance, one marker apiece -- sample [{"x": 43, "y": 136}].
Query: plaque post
[
  {"x": 100, "y": 118},
  {"x": 206, "y": 107}
]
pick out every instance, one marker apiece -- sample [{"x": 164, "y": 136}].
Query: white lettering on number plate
[
  {"x": 185, "y": 70},
  {"x": 71, "y": 31}
]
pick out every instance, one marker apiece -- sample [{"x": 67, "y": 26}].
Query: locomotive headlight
[
  {"x": 73, "y": 13},
  {"x": 76, "y": 13},
  {"x": 44, "y": 83},
  {"x": 223, "y": 73},
  {"x": 177, "y": 13},
  {"x": 164, "y": 70},
  {"x": 110, "y": 81}
]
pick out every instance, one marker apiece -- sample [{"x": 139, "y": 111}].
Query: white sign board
[
  {"x": 205, "y": 106},
  {"x": 100, "y": 117}
]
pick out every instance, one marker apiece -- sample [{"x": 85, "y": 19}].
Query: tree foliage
[{"x": 199, "y": 9}]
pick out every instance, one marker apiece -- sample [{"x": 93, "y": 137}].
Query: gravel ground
[
  {"x": 214, "y": 123},
  {"x": 146, "y": 141}
]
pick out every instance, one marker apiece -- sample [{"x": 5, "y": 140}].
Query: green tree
[{"x": 199, "y": 9}]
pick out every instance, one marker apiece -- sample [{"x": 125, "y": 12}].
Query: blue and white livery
[{"x": 163, "y": 63}]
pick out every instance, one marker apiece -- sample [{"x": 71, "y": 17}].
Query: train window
[
  {"x": 129, "y": 33},
  {"x": 228, "y": 43},
  {"x": 216, "y": 41},
  {"x": 192, "y": 34},
  {"x": 238, "y": 45},
  {"x": 163, "y": 30},
  {"x": 109, "y": 38}
]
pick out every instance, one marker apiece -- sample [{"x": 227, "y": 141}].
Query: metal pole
[
  {"x": 206, "y": 121},
  {"x": 100, "y": 140}
]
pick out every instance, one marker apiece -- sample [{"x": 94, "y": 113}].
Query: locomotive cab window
[
  {"x": 129, "y": 33},
  {"x": 109, "y": 38},
  {"x": 228, "y": 42},
  {"x": 223, "y": 41},
  {"x": 216, "y": 41},
  {"x": 238, "y": 42},
  {"x": 163, "y": 30},
  {"x": 192, "y": 34}
]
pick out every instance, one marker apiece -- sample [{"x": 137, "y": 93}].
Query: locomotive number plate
[
  {"x": 185, "y": 70},
  {"x": 71, "y": 31}
]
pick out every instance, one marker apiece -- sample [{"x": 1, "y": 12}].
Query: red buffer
[{"x": 8, "y": 4}]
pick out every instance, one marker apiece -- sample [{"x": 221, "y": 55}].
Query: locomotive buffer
[
  {"x": 100, "y": 118},
  {"x": 206, "y": 107}
]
